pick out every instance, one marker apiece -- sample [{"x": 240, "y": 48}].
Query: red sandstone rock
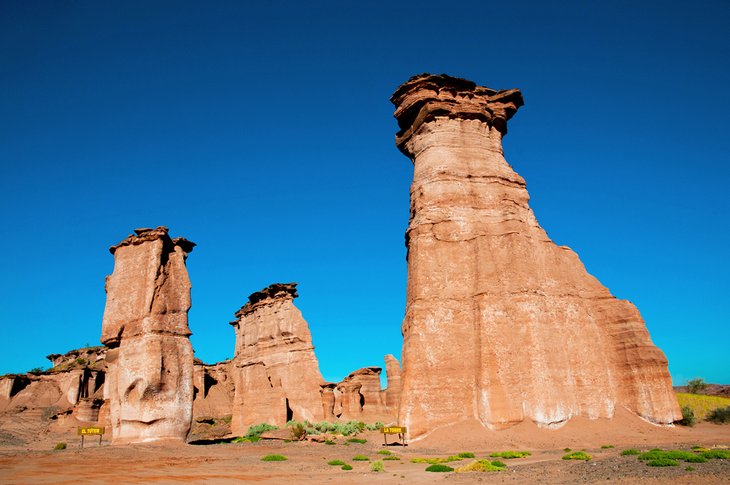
[
  {"x": 214, "y": 391},
  {"x": 501, "y": 324},
  {"x": 275, "y": 371},
  {"x": 145, "y": 325},
  {"x": 327, "y": 390},
  {"x": 392, "y": 393},
  {"x": 361, "y": 396}
]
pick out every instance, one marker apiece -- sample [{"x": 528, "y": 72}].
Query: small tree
[
  {"x": 697, "y": 385},
  {"x": 688, "y": 416}
]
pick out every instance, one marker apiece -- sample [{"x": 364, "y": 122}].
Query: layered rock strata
[
  {"x": 392, "y": 393},
  {"x": 145, "y": 327},
  {"x": 502, "y": 325},
  {"x": 275, "y": 372}
]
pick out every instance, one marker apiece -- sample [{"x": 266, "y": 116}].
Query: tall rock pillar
[
  {"x": 501, "y": 324},
  {"x": 149, "y": 385},
  {"x": 275, "y": 371}
]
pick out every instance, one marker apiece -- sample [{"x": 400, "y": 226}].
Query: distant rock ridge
[{"x": 501, "y": 324}]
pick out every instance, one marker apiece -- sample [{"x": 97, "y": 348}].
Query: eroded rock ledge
[{"x": 426, "y": 96}]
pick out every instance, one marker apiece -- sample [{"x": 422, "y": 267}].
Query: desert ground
[{"x": 307, "y": 461}]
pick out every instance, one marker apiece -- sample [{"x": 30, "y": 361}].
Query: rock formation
[
  {"x": 501, "y": 324},
  {"x": 145, "y": 326},
  {"x": 213, "y": 390},
  {"x": 392, "y": 393},
  {"x": 275, "y": 371}
]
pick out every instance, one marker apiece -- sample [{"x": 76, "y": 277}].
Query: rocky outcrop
[
  {"x": 213, "y": 390},
  {"x": 502, "y": 325},
  {"x": 393, "y": 374},
  {"x": 145, "y": 326},
  {"x": 275, "y": 371}
]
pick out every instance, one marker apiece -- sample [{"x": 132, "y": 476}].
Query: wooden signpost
[
  {"x": 92, "y": 430},
  {"x": 399, "y": 430}
]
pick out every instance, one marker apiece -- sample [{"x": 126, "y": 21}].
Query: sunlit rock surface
[
  {"x": 149, "y": 384},
  {"x": 502, "y": 325}
]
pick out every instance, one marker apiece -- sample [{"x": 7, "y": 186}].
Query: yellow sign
[
  {"x": 394, "y": 430},
  {"x": 95, "y": 430}
]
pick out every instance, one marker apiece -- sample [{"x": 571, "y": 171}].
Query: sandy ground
[{"x": 307, "y": 462}]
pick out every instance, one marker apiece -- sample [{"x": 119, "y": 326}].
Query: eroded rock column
[
  {"x": 275, "y": 371},
  {"x": 149, "y": 383},
  {"x": 501, "y": 324}
]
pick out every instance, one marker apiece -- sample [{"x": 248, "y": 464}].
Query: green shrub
[
  {"x": 357, "y": 440},
  {"x": 346, "y": 467},
  {"x": 336, "y": 462},
  {"x": 630, "y": 451},
  {"x": 433, "y": 461},
  {"x": 274, "y": 458},
  {"x": 329, "y": 442},
  {"x": 257, "y": 429},
  {"x": 376, "y": 426},
  {"x": 385, "y": 452},
  {"x": 567, "y": 450},
  {"x": 577, "y": 455},
  {"x": 466, "y": 454},
  {"x": 688, "y": 416},
  {"x": 360, "y": 458},
  {"x": 689, "y": 469},
  {"x": 695, "y": 386},
  {"x": 298, "y": 431},
  {"x": 607, "y": 447},
  {"x": 509, "y": 455},
  {"x": 483, "y": 466},
  {"x": 439, "y": 468},
  {"x": 662, "y": 462},
  {"x": 391, "y": 458},
  {"x": 696, "y": 459},
  {"x": 376, "y": 466},
  {"x": 700, "y": 449},
  {"x": 60, "y": 446},
  {"x": 719, "y": 415},
  {"x": 716, "y": 454}
]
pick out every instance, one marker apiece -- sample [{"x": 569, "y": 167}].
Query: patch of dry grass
[{"x": 701, "y": 404}]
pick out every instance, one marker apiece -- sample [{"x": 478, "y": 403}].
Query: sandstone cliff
[
  {"x": 145, "y": 325},
  {"x": 275, "y": 372},
  {"x": 503, "y": 325}
]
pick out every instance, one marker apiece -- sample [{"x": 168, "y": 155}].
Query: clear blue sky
[{"x": 265, "y": 135}]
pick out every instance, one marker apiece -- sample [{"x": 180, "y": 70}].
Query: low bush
[
  {"x": 298, "y": 432},
  {"x": 376, "y": 426},
  {"x": 439, "y": 468},
  {"x": 60, "y": 446},
  {"x": 329, "y": 442},
  {"x": 258, "y": 429},
  {"x": 336, "y": 463},
  {"x": 716, "y": 454},
  {"x": 688, "y": 416},
  {"x": 700, "y": 449},
  {"x": 360, "y": 458},
  {"x": 577, "y": 455},
  {"x": 274, "y": 458},
  {"x": 630, "y": 451},
  {"x": 567, "y": 450},
  {"x": 662, "y": 462},
  {"x": 719, "y": 415},
  {"x": 436, "y": 460},
  {"x": 689, "y": 469},
  {"x": 696, "y": 459},
  {"x": 482, "y": 466},
  {"x": 376, "y": 466},
  {"x": 607, "y": 447},
  {"x": 696, "y": 386},
  {"x": 357, "y": 440},
  {"x": 466, "y": 454},
  {"x": 385, "y": 452},
  {"x": 510, "y": 455},
  {"x": 391, "y": 458},
  {"x": 346, "y": 467},
  {"x": 670, "y": 454}
]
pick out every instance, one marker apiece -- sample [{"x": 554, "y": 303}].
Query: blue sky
[{"x": 265, "y": 134}]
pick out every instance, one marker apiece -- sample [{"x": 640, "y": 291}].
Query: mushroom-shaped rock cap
[
  {"x": 426, "y": 96},
  {"x": 276, "y": 291},
  {"x": 144, "y": 234}
]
